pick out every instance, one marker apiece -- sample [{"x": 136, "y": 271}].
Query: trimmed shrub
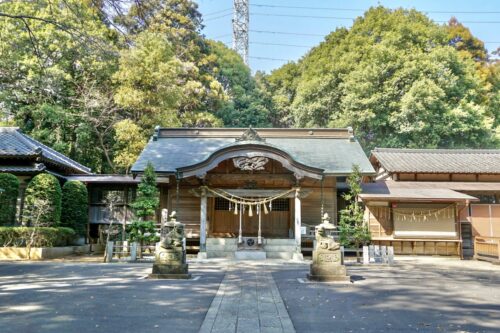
[
  {"x": 42, "y": 237},
  {"x": 9, "y": 190},
  {"x": 43, "y": 201},
  {"x": 74, "y": 206}
]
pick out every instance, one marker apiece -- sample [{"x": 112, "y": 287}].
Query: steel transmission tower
[{"x": 241, "y": 18}]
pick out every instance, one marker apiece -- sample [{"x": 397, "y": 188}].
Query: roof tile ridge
[
  {"x": 437, "y": 150},
  {"x": 42, "y": 146},
  {"x": 26, "y": 141}
]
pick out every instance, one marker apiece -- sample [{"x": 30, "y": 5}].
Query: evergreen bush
[
  {"x": 43, "y": 188},
  {"x": 9, "y": 190},
  {"x": 74, "y": 206},
  {"x": 148, "y": 198},
  {"x": 43, "y": 236},
  {"x": 145, "y": 206}
]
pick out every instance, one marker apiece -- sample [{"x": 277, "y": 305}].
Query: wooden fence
[{"x": 487, "y": 248}]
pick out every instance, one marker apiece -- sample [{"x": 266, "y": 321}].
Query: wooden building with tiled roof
[
  {"x": 252, "y": 189},
  {"x": 25, "y": 157},
  {"x": 433, "y": 201}
]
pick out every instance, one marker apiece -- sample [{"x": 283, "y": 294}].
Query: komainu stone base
[
  {"x": 328, "y": 273},
  {"x": 166, "y": 271},
  {"x": 327, "y": 266}
]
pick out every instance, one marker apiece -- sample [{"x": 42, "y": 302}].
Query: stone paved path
[{"x": 247, "y": 301}]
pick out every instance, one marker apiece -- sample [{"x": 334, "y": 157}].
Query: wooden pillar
[
  {"x": 259, "y": 235},
  {"x": 203, "y": 222},
  {"x": 298, "y": 223}
]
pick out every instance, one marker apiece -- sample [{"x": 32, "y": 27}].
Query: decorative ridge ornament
[
  {"x": 250, "y": 163},
  {"x": 250, "y": 135}
]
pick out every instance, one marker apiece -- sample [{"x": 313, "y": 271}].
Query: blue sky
[{"x": 333, "y": 13}]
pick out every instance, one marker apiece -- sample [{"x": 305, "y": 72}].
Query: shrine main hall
[{"x": 252, "y": 192}]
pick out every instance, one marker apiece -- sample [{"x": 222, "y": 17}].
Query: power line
[
  {"x": 305, "y": 16},
  {"x": 219, "y": 11},
  {"x": 353, "y": 18},
  {"x": 285, "y": 33},
  {"x": 278, "y": 44},
  {"x": 273, "y": 59},
  {"x": 220, "y": 36},
  {"x": 362, "y": 10},
  {"x": 217, "y": 17},
  {"x": 304, "y": 7}
]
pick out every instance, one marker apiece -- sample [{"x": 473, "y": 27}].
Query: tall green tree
[
  {"x": 52, "y": 54},
  {"x": 245, "y": 104},
  {"x": 352, "y": 229},
  {"x": 129, "y": 142},
  {"x": 396, "y": 79},
  {"x": 147, "y": 81},
  {"x": 180, "y": 23},
  {"x": 461, "y": 38}
]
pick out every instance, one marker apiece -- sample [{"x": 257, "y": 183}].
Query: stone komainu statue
[
  {"x": 173, "y": 237},
  {"x": 170, "y": 255},
  {"x": 325, "y": 242},
  {"x": 327, "y": 262}
]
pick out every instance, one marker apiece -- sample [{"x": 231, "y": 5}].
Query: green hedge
[
  {"x": 44, "y": 236},
  {"x": 9, "y": 190},
  {"x": 75, "y": 206},
  {"x": 43, "y": 188}
]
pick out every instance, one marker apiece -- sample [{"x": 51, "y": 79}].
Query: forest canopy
[{"x": 92, "y": 78}]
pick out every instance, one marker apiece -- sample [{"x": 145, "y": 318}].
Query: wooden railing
[{"x": 487, "y": 248}]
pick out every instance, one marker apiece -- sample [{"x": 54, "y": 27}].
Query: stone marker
[
  {"x": 390, "y": 255},
  {"x": 170, "y": 253},
  {"x": 327, "y": 258},
  {"x": 383, "y": 253},
  {"x": 377, "y": 255},
  {"x": 366, "y": 255},
  {"x": 371, "y": 250}
]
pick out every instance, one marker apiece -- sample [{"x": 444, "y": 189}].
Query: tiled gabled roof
[
  {"x": 15, "y": 144},
  {"x": 480, "y": 161},
  {"x": 333, "y": 150}
]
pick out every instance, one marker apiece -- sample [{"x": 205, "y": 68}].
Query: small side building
[
  {"x": 433, "y": 201},
  {"x": 25, "y": 157}
]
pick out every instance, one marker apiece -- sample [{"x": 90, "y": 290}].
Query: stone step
[
  {"x": 250, "y": 255},
  {"x": 221, "y": 241},
  {"x": 279, "y": 241},
  {"x": 279, "y": 248},
  {"x": 222, "y": 247},
  {"x": 220, "y": 254},
  {"x": 279, "y": 255}
]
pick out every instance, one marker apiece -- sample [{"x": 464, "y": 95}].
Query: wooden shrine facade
[{"x": 270, "y": 185}]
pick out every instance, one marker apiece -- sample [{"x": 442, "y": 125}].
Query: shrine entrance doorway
[{"x": 275, "y": 224}]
